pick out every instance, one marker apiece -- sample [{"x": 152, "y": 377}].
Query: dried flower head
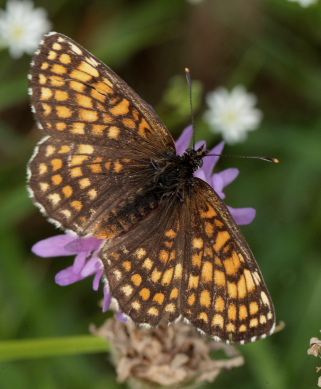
[{"x": 175, "y": 356}]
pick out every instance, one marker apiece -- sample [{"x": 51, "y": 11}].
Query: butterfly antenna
[
  {"x": 189, "y": 82},
  {"x": 268, "y": 159}
]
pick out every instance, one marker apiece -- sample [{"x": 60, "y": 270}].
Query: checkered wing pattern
[
  {"x": 101, "y": 139},
  {"x": 194, "y": 263}
]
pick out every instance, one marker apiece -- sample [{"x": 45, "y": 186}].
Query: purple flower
[{"x": 87, "y": 262}]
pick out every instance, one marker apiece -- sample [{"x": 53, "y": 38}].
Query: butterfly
[{"x": 107, "y": 167}]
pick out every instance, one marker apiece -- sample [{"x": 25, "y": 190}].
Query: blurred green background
[{"x": 273, "y": 47}]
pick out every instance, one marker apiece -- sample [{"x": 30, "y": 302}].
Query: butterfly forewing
[
  {"x": 107, "y": 167},
  {"x": 99, "y": 131}
]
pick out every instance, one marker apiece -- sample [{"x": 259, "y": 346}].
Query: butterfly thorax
[{"x": 176, "y": 171}]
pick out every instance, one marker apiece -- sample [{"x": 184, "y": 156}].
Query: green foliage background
[{"x": 273, "y": 47}]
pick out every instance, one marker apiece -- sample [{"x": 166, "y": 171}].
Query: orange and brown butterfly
[{"x": 107, "y": 168}]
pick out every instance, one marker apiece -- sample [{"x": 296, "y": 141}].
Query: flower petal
[
  {"x": 54, "y": 246},
  {"x": 243, "y": 216}
]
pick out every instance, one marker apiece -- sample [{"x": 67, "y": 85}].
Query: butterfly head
[{"x": 195, "y": 157}]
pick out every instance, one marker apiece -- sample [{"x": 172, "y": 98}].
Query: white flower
[
  {"x": 232, "y": 113},
  {"x": 21, "y": 27},
  {"x": 304, "y": 3}
]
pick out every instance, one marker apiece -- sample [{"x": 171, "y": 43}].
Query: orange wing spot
[
  {"x": 86, "y": 149},
  {"x": 197, "y": 259},
  {"x": 44, "y": 186},
  {"x": 57, "y": 179},
  {"x": 164, "y": 256},
  {"x": 207, "y": 272},
  {"x": 218, "y": 223},
  {"x": 143, "y": 125},
  {"x": 107, "y": 118},
  {"x": 265, "y": 299},
  {"x": 85, "y": 67},
  {"x": 232, "y": 311},
  {"x": 203, "y": 316},
  {"x": 243, "y": 328},
  {"x": 243, "y": 313},
  {"x": 168, "y": 276},
  {"x": 67, "y": 191},
  {"x": 92, "y": 193},
  {"x": 168, "y": 244},
  {"x": 108, "y": 165},
  {"x": 241, "y": 287},
  {"x": 64, "y": 149},
  {"x": 84, "y": 183},
  {"x": 44, "y": 66},
  {"x": 249, "y": 280},
  {"x": 84, "y": 101},
  {"x": 218, "y": 320},
  {"x": 108, "y": 82},
  {"x": 59, "y": 69},
  {"x": 254, "y": 308},
  {"x": 63, "y": 111},
  {"x": 46, "y": 93},
  {"x": 97, "y": 96},
  {"x": 263, "y": 319},
  {"x": 171, "y": 308},
  {"x": 209, "y": 229},
  {"x": 80, "y": 76},
  {"x": 122, "y": 108},
  {"x": 193, "y": 282},
  {"x": 98, "y": 160},
  {"x": 219, "y": 278},
  {"x": 98, "y": 129},
  {"x": 136, "y": 305},
  {"x": 218, "y": 262},
  {"x": 172, "y": 256},
  {"x": 129, "y": 123},
  {"x": 77, "y": 86},
  {"x": 78, "y": 159},
  {"x": 95, "y": 168},
  {"x": 191, "y": 299},
  {"x": 230, "y": 266},
  {"x": 103, "y": 88},
  {"x": 232, "y": 290},
  {"x": 54, "y": 198},
  {"x": 174, "y": 293},
  {"x": 209, "y": 213},
  {"x": 171, "y": 234},
  {"x": 113, "y": 132},
  {"x": 148, "y": 264},
  {"x": 236, "y": 260},
  {"x": 159, "y": 298},
  {"x": 135, "y": 113},
  {"x": 42, "y": 79},
  {"x": 221, "y": 238},
  {"x": 65, "y": 59},
  {"x": 61, "y": 95},
  {"x": 178, "y": 271},
  {"x": 88, "y": 115},
  {"x": 153, "y": 311},
  {"x": 140, "y": 253},
  {"x": 57, "y": 46},
  {"x": 77, "y": 205},
  {"x": 156, "y": 275},
  {"x": 137, "y": 279},
  {"x": 144, "y": 294},
  {"x": 76, "y": 172},
  {"x": 219, "y": 304},
  {"x": 46, "y": 109},
  {"x": 230, "y": 327},
  {"x": 43, "y": 168},
  {"x": 198, "y": 243},
  {"x": 205, "y": 298},
  {"x": 61, "y": 126},
  {"x": 127, "y": 290},
  {"x": 57, "y": 81},
  {"x": 56, "y": 164},
  {"x": 118, "y": 167},
  {"x": 50, "y": 150},
  {"x": 254, "y": 322}
]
